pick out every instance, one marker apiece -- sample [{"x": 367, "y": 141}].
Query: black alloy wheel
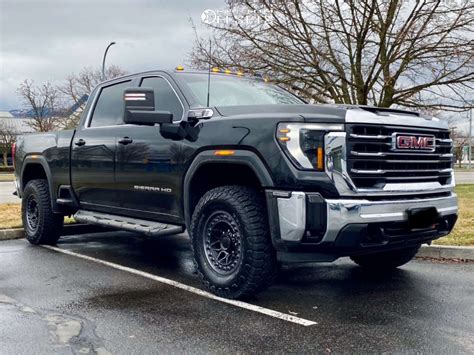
[{"x": 222, "y": 243}]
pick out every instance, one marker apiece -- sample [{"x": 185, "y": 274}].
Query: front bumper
[{"x": 321, "y": 229}]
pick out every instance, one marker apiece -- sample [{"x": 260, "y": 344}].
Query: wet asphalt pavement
[{"x": 56, "y": 303}]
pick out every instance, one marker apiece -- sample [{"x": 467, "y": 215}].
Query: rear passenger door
[
  {"x": 94, "y": 149},
  {"x": 149, "y": 167}
]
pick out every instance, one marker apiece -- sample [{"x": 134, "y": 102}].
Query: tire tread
[
  {"x": 260, "y": 267},
  {"x": 50, "y": 224}
]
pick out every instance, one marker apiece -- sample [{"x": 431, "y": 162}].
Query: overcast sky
[{"x": 48, "y": 40}]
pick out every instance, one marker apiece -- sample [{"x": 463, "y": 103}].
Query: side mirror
[{"x": 140, "y": 108}]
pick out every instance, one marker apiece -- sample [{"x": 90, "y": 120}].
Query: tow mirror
[
  {"x": 186, "y": 129},
  {"x": 180, "y": 130},
  {"x": 140, "y": 108}
]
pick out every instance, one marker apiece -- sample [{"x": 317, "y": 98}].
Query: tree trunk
[{"x": 5, "y": 158}]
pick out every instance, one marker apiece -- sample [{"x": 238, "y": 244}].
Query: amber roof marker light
[{"x": 224, "y": 152}]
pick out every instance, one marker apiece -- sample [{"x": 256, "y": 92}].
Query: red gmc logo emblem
[{"x": 414, "y": 142}]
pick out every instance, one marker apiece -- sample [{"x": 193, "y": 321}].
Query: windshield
[{"x": 231, "y": 90}]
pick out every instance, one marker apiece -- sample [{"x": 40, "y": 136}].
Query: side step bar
[{"x": 149, "y": 228}]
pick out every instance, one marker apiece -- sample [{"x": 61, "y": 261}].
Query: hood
[
  {"x": 310, "y": 113},
  {"x": 337, "y": 113}
]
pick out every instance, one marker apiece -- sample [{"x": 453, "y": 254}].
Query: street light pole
[
  {"x": 103, "y": 60},
  {"x": 470, "y": 137}
]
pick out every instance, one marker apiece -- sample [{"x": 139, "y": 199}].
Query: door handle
[
  {"x": 125, "y": 140},
  {"x": 80, "y": 142}
]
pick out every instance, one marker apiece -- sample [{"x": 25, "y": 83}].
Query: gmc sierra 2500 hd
[{"x": 254, "y": 174}]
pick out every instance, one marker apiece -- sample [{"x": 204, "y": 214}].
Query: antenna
[{"x": 209, "y": 73}]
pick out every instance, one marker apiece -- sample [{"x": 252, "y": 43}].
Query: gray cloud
[{"x": 48, "y": 40}]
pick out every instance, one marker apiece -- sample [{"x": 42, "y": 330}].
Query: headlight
[{"x": 303, "y": 143}]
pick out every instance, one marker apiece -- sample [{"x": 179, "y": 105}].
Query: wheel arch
[
  {"x": 242, "y": 168},
  {"x": 36, "y": 167}
]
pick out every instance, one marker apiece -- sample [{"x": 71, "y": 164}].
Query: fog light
[{"x": 444, "y": 225}]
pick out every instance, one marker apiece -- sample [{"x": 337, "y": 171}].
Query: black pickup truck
[{"x": 255, "y": 175}]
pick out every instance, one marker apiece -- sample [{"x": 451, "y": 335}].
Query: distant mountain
[{"x": 20, "y": 112}]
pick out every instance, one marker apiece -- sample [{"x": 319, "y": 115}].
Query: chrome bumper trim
[
  {"x": 342, "y": 212},
  {"x": 292, "y": 216}
]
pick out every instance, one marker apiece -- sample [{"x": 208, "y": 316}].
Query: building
[
  {"x": 10, "y": 127},
  {"x": 19, "y": 125}
]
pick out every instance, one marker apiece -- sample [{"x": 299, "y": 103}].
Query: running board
[{"x": 149, "y": 228}]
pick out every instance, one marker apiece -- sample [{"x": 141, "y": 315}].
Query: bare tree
[
  {"x": 417, "y": 54},
  {"x": 44, "y": 104},
  {"x": 7, "y": 138},
  {"x": 78, "y": 86},
  {"x": 459, "y": 142}
]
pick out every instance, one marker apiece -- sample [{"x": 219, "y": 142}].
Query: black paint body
[
  {"x": 134, "y": 171},
  {"x": 103, "y": 173}
]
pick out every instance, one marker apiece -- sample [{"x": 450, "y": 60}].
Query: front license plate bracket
[{"x": 422, "y": 217}]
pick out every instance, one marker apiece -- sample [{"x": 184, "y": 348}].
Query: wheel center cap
[{"x": 225, "y": 242}]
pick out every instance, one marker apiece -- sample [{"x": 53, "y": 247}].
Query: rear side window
[
  {"x": 108, "y": 110},
  {"x": 165, "y": 97}
]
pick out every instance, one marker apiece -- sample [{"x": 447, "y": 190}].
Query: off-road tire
[
  {"x": 257, "y": 268},
  {"x": 49, "y": 225},
  {"x": 386, "y": 260}
]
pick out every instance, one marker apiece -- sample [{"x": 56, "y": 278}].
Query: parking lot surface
[
  {"x": 56, "y": 303},
  {"x": 6, "y": 192}
]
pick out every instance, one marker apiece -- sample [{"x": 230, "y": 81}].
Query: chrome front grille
[{"x": 373, "y": 160}]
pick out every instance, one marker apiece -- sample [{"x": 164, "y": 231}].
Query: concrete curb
[
  {"x": 69, "y": 229},
  {"x": 7, "y": 234},
  {"x": 446, "y": 252}
]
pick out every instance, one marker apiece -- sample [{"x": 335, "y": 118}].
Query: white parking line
[{"x": 248, "y": 306}]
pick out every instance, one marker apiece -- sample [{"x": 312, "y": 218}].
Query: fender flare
[
  {"x": 243, "y": 157},
  {"x": 38, "y": 159}
]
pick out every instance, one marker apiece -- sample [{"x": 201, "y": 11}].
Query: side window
[
  {"x": 108, "y": 110},
  {"x": 165, "y": 97}
]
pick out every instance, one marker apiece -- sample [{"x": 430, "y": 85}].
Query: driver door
[{"x": 94, "y": 148}]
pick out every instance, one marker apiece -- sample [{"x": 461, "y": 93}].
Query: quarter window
[
  {"x": 108, "y": 110},
  {"x": 165, "y": 97}
]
